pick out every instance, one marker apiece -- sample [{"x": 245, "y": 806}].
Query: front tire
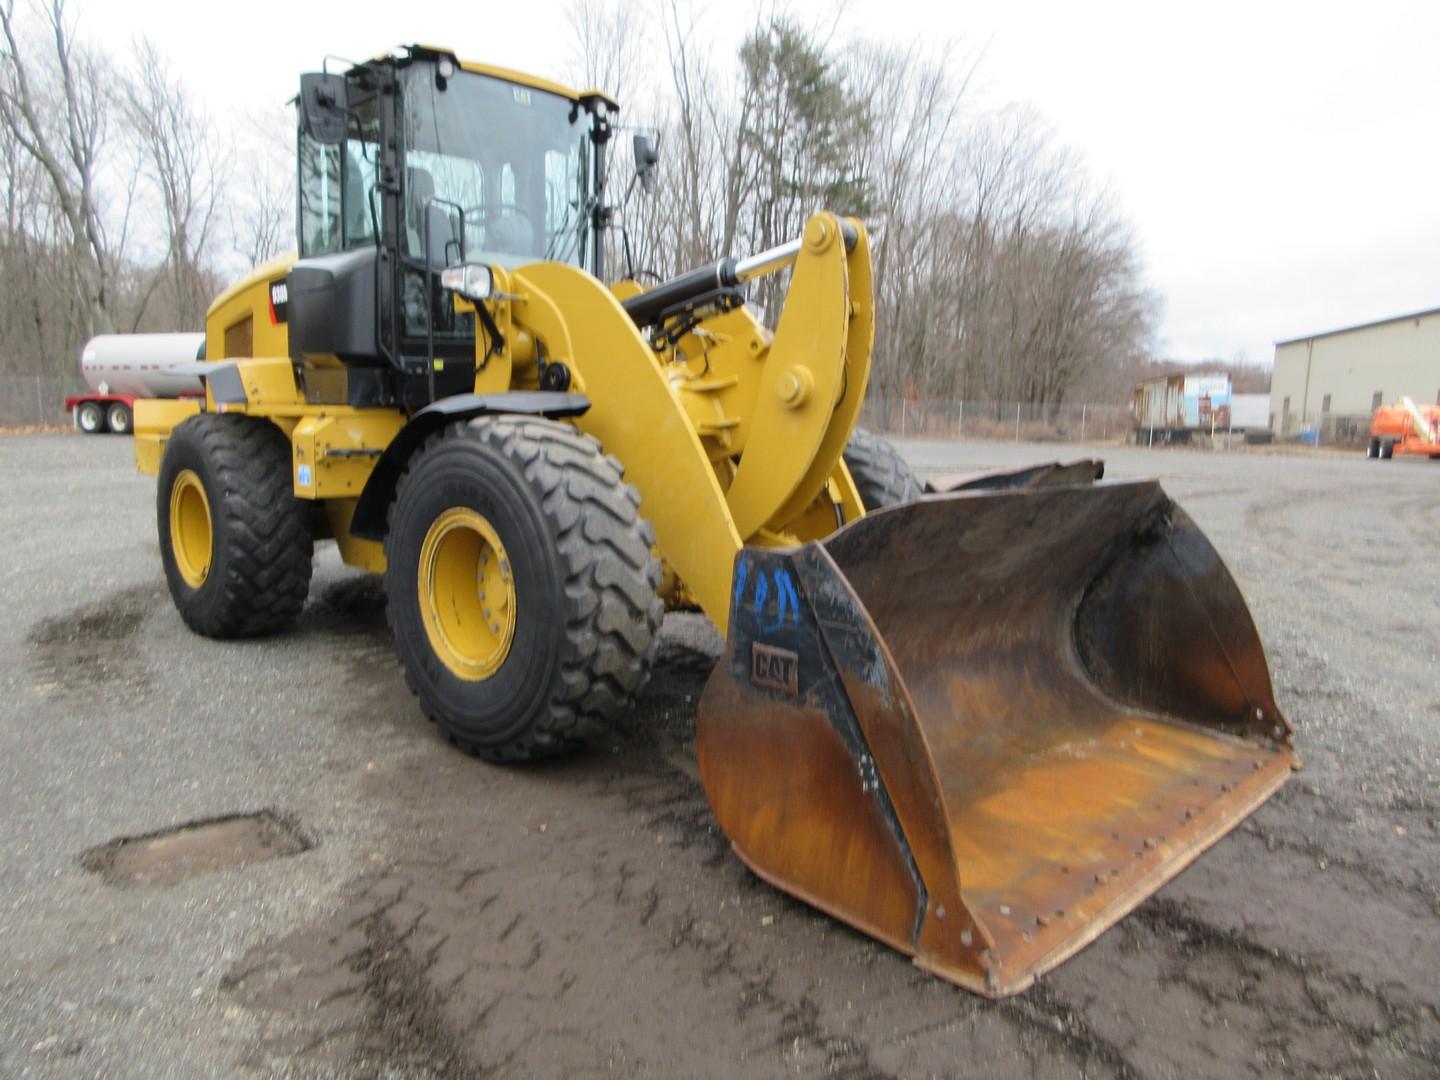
[
  {"x": 234, "y": 539},
  {"x": 520, "y": 587}
]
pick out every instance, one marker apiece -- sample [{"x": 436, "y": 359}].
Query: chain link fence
[
  {"x": 31, "y": 401},
  {"x": 36, "y": 401},
  {"x": 1016, "y": 421},
  {"x": 1336, "y": 429}
]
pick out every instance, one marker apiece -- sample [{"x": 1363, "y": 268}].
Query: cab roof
[{"x": 521, "y": 78}]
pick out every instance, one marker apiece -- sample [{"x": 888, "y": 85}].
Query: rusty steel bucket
[{"x": 984, "y": 726}]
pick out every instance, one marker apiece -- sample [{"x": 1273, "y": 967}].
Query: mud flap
[{"x": 984, "y": 726}]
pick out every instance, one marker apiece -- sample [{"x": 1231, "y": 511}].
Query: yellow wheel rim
[
  {"x": 467, "y": 594},
  {"x": 191, "y": 538}
]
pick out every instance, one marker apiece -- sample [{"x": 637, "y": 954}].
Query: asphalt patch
[{"x": 171, "y": 855}]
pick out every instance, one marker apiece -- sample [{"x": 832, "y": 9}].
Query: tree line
[
  {"x": 124, "y": 202},
  {"x": 1001, "y": 272}
]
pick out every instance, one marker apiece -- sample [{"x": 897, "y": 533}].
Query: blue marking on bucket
[
  {"x": 762, "y": 592},
  {"x": 789, "y": 598}
]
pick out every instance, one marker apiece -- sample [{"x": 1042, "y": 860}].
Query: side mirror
[
  {"x": 647, "y": 156},
  {"x": 324, "y": 109}
]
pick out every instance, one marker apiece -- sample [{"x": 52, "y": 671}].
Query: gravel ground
[{"x": 585, "y": 918}]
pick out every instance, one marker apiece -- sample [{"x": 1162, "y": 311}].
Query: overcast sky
[{"x": 1279, "y": 162}]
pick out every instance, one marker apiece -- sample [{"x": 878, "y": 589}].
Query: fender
[{"x": 372, "y": 509}]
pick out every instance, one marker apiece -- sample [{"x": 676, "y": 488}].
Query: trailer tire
[
  {"x": 520, "y": 586},
  {"x": 881, "y": 475},
  {"x": 1372, "y": 448},
  {"x": 118, "y": 418},
  {"x": 234, "y": 539},
  {"x": 90, "y": 417},
  {"x": 1387, "y": 449}
]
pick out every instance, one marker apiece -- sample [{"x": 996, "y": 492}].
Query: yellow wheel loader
[{"x": 979, "y": 724}]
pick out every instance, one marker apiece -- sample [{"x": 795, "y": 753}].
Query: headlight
[{"x": 474, "y": 281}]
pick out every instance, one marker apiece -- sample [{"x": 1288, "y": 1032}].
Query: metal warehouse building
[{"x": 1335, "y": 380}]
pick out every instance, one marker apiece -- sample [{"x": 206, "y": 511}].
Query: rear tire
[
  {"x": 1372, "y": 448},
  {"x": 881, "y": 475},
  {"x": 1387, "y": 449},
  {"x": 234, "y": 539},
  {"x": 569, "y": 646},
  {"x": 118, "y": 418},
  {"x": 90, "y": 417}
]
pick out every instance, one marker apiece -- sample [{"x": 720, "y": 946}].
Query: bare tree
[
  {"x": 916, "y": 99},
  {"x": 57, "y": 106},
  {"x": 261, "y": 209},
  {"x": 608, "y": 45},
  {"x": 186, "y": 169},
  {"x": 687, "y": 223},
  {"x": 28, "y": 289}
]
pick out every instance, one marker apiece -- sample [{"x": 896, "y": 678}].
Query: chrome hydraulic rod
[
  {"x": 767, "y": 262},
  {"x": 723, "y": 274}
]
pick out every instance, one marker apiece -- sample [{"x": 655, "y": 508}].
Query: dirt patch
[
  {"x": 347, "y": 618},
  {"x": 115, "y": 620},
  {"x": 88, "y": 651},
  {"x": 354, "y": 606},
  {"x": 1303, "y": 1014},
  {"x": 171, "y": 855},
  {"x": 350, "y": 996}
]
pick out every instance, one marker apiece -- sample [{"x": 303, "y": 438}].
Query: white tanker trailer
[{"x": 119, "y": 368}]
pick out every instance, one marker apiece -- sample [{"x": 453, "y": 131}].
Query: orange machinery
[{"x": 1405, "y": 428}]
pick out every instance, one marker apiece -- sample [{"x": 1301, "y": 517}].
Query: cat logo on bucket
[{"x": 776, "y": 669}]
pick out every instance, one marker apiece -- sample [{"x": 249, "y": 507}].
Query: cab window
[
  {"x": 319, "y": 189},
  {"x": 361, "y": 168},
  {"x": 335, "y": 186}
]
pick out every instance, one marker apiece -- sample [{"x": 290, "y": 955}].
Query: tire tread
[
  {"x": 612, "y": 616},
  {"x": 881, "y": 475},
  {"x": 269, "y": 550}
]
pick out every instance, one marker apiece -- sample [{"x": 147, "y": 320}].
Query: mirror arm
[
  {"x": 492, "y": 330},
  {"x": 625, "y": 246}
]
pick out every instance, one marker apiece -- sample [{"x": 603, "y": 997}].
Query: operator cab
[{"x": 411, "y": 163}]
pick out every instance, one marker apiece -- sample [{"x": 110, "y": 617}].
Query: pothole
[{"x": 198, "y": 847}]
